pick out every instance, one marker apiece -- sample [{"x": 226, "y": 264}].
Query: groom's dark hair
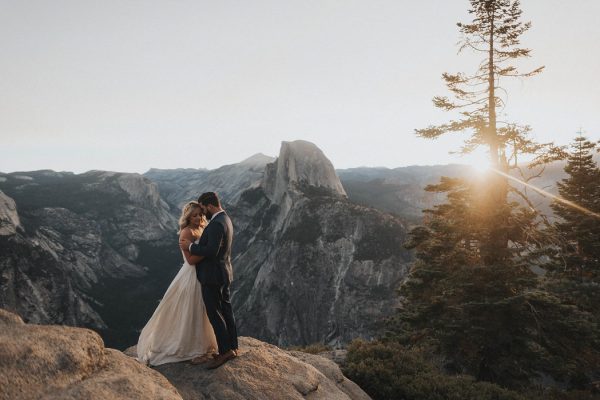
[{"x": 209, "y": 198}]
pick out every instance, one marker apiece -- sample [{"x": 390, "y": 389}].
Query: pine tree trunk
[{"x": 498, "y": 183}]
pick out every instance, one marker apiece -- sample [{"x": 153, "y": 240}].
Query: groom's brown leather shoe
[
  {"x": 203, "y": 359},
  {"x": 221, "y": 359}
]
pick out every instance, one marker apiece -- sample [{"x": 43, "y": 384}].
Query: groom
[{"x": 215, "y": 273}]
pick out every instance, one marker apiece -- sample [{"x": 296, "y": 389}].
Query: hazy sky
[{"x": 130, "y": 85}]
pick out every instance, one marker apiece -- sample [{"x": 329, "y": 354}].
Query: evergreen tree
[
  {"x": 576, "y": 276},
  {"x": 495, "y": 33},
  {"x": 579, "y": 220}
]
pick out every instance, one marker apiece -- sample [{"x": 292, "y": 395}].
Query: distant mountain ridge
[{"x": 400, "y": 191}]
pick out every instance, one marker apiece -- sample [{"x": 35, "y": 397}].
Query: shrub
[{"x": 388, "y": 371}]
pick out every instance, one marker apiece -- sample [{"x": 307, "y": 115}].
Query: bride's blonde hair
[{"x": 187, "y": 212}]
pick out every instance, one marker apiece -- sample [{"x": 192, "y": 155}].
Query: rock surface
[
  {"x": 263, "y": 372},
  {"x": 9, "y": 218},
  {"x": 300, "y": 163},
  {"x": 59, "y": 362}
]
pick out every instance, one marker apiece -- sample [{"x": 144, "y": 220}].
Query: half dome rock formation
[
  {"x": 300, "y": 164},
  {"x": 59, "y": 362},
  {"x": 9, "y": 218},
  {"x": 263, "y": 372}
]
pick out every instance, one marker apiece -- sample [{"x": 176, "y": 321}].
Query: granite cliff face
[
  {"x": 9, "y": 218},
  {"x": 300, "y": 164},
  {"x": 77, "y": 248},
  {"x": 312, "y": 266}
]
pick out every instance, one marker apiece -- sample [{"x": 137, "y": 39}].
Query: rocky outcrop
[
  {"x": 263, "y": 372},
  {"x": 86, "y": 245},
  {"x": 59, "y": 362}
]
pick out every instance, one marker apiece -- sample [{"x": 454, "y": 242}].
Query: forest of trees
[{"x": 502, "y": 301}]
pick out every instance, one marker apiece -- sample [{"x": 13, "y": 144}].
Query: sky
[{"x": 132, "y": 85}]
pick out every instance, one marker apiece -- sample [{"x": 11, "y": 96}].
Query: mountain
[
  {"x": 400, "y": 191},
  {"x": 96, "y": 249},
  {"x": 310, "y": 265},
  {"x": 178, "y": 186}
]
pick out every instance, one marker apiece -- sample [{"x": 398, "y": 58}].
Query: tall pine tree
[
  {"x": 494, "y": 33},
  {"x": 576, "y": 276},
  {"x": 579, "y": 220}
]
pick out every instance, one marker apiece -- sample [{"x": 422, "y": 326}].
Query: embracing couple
[{"x": 194, "y": 318}]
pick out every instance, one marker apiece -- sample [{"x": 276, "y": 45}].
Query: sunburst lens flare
[
  {"x": 548, "y": 194},
  {"x": 481, "y": 169},
  {"x": 478, "y": 160}
]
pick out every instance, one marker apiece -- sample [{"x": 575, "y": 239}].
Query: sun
[{"x": 479, "y": 160}]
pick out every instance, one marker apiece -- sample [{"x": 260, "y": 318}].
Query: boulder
[{"x": 59, "y": 362}]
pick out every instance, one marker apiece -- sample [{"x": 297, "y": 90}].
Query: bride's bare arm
[{"x": 192, "y": 260}]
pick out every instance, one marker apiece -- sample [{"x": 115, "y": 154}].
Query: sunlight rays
[{"x": 548, "y": 194}]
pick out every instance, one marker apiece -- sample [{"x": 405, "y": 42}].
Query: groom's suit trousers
[{"x": 218, "y": 308}]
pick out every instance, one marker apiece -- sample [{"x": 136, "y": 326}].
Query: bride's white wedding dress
[{"x": 179, "y": 329}]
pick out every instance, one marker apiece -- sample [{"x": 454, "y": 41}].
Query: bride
[{"x": 179, "y": 329}]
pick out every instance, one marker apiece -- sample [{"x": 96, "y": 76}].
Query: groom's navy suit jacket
[{"x": 215, "y": 245}]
